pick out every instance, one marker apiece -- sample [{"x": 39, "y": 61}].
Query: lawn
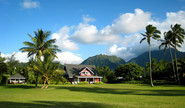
[{"x": 93, "y": 96}]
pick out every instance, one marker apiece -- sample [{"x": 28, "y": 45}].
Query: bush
[
  {"x": 82, "y": 83},
  {"x": 98, "y": 82},
  {"x": 66, "y": 83}
]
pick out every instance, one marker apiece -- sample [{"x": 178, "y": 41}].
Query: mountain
[
  {"x": 104, "y": 60},
  {"x": 158, "y": 54}
]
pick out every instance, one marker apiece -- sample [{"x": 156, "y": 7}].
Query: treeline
[{"x": 133, "y": 73}]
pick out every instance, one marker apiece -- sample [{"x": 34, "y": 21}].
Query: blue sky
[{"x": 85, "y": 28}]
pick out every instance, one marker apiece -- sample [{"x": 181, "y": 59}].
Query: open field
[{"x": 93, "y": 96}]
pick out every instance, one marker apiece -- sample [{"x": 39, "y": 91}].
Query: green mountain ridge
[
  {"x": 113, "y": 61},
  {"x": 104, "y": 60},
  {"x": 157, "y": 54}
]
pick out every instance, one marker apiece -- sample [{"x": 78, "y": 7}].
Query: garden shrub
[
  {"x": 82, "y": 83},
  {"x": 98, "y": 82},
  {"x": 66, "y": 83}
]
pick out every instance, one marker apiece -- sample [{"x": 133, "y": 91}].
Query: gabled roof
[
  {"x": 73, "y": 70},
  {"x": 17, "y": 76},
  {"x": 87, "y": 69}
]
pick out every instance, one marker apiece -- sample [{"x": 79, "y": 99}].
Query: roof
[
  {"x": 73, "y": 70},
  {"x": 87, "y": 69},
  {"x": 17, "y": 76}
]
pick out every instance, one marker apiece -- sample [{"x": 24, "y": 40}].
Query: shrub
[
  {"x": 82, "y": 83},
  {"x": 66, "y": 82},
  {"x": 98, "y": 82}
]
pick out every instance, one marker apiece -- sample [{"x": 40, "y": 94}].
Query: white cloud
[
  {"x": 86, "y": 19},
  {"x": 62, "y": 39},
  {"x": 27, "y": 4},
  {"x": 126, "y": 23},
  {"x": 21, "y": 56},
  {"x": 122, "y": 52},
  {"x": 131, "y": 22},
  {"x": 68, "y": 58},
  {"x": 123, "y": 35},
  {"x": 63, "y": 57}
]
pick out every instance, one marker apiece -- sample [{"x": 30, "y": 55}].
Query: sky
[{"x": 85, "y": 28}]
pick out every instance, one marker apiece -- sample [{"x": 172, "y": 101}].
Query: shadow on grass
[
  {"x": 20, "y": 86},
  {"x": 126, "y": 91},
  {"x": 53, "y": 104}
]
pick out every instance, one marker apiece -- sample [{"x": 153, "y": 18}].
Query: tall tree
[
  {"x": 166, "y": 43},
  {"x": 40, "y": 45},
  {"x": 151, "y": 32},
  {"x": 47, "y": 68},
  {"x": 129, "y": 71},
  {"x": 12, "y": 64},
  {"x": 178, "y": 35}
]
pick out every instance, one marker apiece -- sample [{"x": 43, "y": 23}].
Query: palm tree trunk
[
  {"x": 36, "y": 80},
  {"x": 173, "y": 65},
  {"x": 37, "y": 74},
  {"x": 44, "y": 84},
  {"x": 150, "y": 68},
  {"x": 47, "y": 83},
  {"x": 177, "y": 66}
]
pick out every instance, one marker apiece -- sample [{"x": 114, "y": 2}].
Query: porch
[{"x": 89, "y": 79}]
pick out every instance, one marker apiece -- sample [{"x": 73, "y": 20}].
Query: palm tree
[
  {"x": 166, "y": 43},
  {"x": 46, "y": 68},
  {"x": 151, "y": 31},
  {"x": 178, "y": 34},
  {"x": 40, "y": 46}
]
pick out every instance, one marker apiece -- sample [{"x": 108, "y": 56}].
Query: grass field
[{"x": 93, "y": 96}]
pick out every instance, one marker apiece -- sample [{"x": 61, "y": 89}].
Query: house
[
  {"x": 17, "y": 79},
  {"x": 79, "y": 73}
]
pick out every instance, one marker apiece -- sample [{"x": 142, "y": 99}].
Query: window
[
  {"x": 83, "y": 73},
  {"x": 87, "y": 73}
]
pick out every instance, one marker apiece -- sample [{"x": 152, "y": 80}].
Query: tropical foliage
[
  {"x": 40, "y": 46},
  {"x": 129, "y": 71},
  {"x": 107, "y": 74},
  {"x": 46, "y": 68}
]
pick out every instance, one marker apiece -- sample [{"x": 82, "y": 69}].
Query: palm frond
[{"x": 142, "y": 39}]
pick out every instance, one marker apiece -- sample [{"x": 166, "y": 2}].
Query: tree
[
  {"x": 46, "y": 68},
  {"x": 178, "y": 34},
  {"x": 3, "y": 67},
  {"x": 151, "y": 31},
  {"x": 12, "y": 63},
  {"x": 166, "y": 43},
  {"x": 129, "y": 71},
  {"x": 40, "y": 46},
  {"x": 104, "y": 72}
]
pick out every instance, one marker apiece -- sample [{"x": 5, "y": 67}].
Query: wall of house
[
  {"x": 85, "y": 70},
  {"x": 96, "y": 80}
]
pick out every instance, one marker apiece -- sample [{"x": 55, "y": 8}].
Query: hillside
[
  {"x": 158, "y": 54},
  {"x": 104, "y": 60},
  {"x": 113, "y": 61}
]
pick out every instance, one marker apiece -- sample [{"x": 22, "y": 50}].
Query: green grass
[{"x": 93, "y": 96}]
